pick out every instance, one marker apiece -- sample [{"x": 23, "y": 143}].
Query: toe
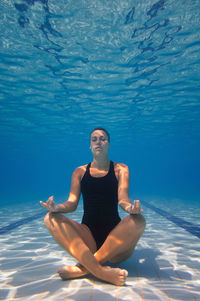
[{"x": 125, "y": 272}]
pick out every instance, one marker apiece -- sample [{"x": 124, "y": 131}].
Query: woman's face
[{"x": 99, "y": 143}]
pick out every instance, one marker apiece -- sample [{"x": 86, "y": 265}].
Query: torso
[{"x": 99, "y": 190}]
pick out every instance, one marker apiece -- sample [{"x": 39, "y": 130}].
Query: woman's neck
[{"x": 101, "y": 163}]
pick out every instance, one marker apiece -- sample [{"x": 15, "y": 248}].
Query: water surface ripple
[{"x": 69, "y": 65}]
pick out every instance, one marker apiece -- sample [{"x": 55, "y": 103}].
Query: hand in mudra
[
  {"x": 134, "y": 208},
  {"x": 50, "y": 205}
]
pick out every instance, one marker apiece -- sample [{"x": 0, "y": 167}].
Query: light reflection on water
[{"x": 68, "y": 66}]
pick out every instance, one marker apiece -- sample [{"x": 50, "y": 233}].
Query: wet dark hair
[{"x": 101, "y": 129}]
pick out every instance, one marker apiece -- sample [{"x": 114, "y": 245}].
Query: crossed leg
[
  {"x": 78, "y": 241},
  {"x": 118, "y": 246}
]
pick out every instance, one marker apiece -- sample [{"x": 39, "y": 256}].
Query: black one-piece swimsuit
[{"x": 100, "y": 202}]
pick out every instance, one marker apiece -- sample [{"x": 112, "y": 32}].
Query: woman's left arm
[{"x": 123, "y": 192}]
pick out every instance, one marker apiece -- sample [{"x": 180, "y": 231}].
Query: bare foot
[
  {"x": 70, "y": 272},
  {"x": 113, "y": 275}
]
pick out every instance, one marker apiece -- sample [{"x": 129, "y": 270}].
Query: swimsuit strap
[
  {"x": 88, "y": 167},
  {"x": 112, "y": 169}
]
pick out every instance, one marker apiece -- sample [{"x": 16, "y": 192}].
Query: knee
[
  {"x": 47, "y": 219},
  {"x": 50, "y": 218},
  {"x": 142, "y": 223},
  {"x": 139, "y": 222}
]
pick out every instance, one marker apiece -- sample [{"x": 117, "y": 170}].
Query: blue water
[{"x": 132, "y": 67}]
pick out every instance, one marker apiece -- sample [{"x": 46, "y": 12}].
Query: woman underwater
[{"x": 102, "y": 236}]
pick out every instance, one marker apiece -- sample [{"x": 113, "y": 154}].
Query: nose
[{"x": 98, "y": 140}]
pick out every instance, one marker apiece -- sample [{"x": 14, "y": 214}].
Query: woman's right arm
[{"x": 71, "y": 204}]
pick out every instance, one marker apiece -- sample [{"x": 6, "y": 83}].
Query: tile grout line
[
  {"x": 138, "y": 280},
  {"x": 92, "y": 291},
  {"x": 195, "y": 298},
  {"x": 70, "y": 286},
  {"x": 117, "y": 294},
  {"x": 158, "y": 275},
  {"x": 47, "y": 286}
]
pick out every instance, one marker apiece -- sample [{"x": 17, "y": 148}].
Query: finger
[
  {"x": 50, "y": 200},
  {"x": 134, "y": 209},
  {"x": 137, "y": 203},
  {"x": 44, "y": 204},
  {"x": 138, "y": 210},
  {"x": 129, "y": 209}
]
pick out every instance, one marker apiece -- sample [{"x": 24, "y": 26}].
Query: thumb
[{"x": 137, "y": 203}]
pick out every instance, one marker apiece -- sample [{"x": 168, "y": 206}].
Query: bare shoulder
[
  {"x": 121, "y": 166},
  {"x": 121, "y": 169},
  {"x": 80, "y": 171}
]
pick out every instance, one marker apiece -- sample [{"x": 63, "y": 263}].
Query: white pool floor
[{"x": 164, "y": 266}]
